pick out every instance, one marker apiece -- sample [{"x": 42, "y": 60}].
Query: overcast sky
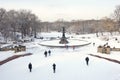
[{"x": 51, "y": 10}]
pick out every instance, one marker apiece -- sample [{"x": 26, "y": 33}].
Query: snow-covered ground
[{"x": 70, "y": 64}]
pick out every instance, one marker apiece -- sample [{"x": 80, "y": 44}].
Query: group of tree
[
  {"x": 82, "y": 26},
  {"x": 26, "y": 23},
  {"x": 13, "y": 22}
]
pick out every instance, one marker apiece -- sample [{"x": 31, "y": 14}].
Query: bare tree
[
  {"x": 28, "y": 23},
  {"x": 2, "y": 15},
  {"x": 117, "y": 17},
  {"x": 22, "y": 21},
  {"x": 108, "y": 24}
]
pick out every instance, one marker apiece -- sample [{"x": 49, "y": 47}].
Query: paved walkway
[
  {"x": 112, "y": 60},
  {"x": 13, "y": 57}
]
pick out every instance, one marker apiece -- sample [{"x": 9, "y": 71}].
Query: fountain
[
  {"x": 63, "y": 42},
  {"x": 63, "y": 39}
]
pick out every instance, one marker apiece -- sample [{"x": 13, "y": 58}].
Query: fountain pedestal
[{"x": 63, "y": 40}]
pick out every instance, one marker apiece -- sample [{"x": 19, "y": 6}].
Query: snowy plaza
[
  {"x": 70, "y": 64},
  {"x": 59, "y": 39}
]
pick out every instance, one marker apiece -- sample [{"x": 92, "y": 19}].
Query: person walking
[
  {"x": 54, "y": 67},
  {"x": 93, "y": 44},
  {"x": 87, "y": 60},
  {"x": 45, "y": 53},
  {"x": 73, "y": 47},
  {"x": 30, "y": 67},
  {"x": 49, "y": 52}
]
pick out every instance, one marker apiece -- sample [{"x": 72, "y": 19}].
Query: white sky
[{"x": 51, "y": 10}]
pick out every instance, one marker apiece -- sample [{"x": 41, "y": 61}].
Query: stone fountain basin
[{"x": 72, "y": 42}]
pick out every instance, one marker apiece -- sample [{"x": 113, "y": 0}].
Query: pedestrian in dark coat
[
  {"x": 30, "y": 67},
  {"x": 54, "y": 68},
  {"x": 93, "y": 44},
  {"x": 49, "y": 52},
  {"x": 87, "y": 60},
  {"x": 45, "y": 53}
]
